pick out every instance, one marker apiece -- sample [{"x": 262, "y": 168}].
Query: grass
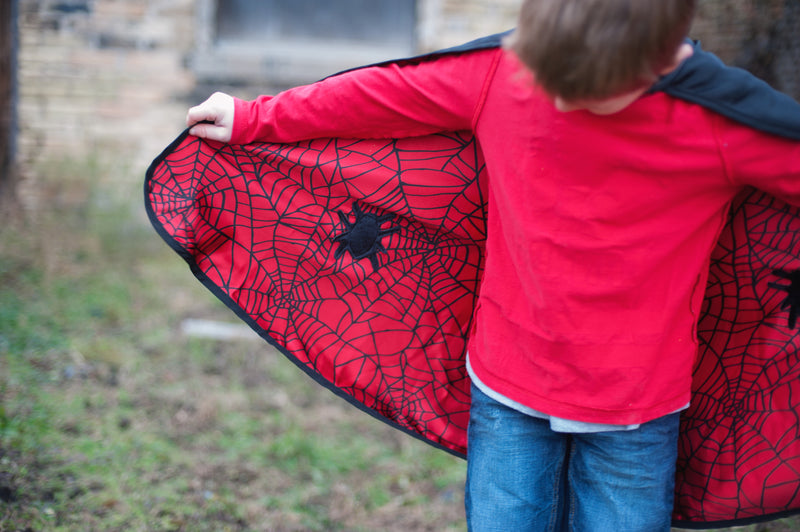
[{"x": 111, "y": 420}]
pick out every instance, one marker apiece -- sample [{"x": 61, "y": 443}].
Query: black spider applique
[
  {"x": 362, "y": 238},
  {"x": 792, "y": 300}
]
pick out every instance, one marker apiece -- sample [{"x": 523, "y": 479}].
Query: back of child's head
[{"x": 592, "y": 49}]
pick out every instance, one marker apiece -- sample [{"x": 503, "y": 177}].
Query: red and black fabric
[{"x": 361, "y": 261}]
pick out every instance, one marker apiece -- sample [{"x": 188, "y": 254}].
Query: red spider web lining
[{"x": 257, "y": 224}]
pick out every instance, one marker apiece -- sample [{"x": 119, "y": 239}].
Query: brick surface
[{"x": 111, "y": 76}]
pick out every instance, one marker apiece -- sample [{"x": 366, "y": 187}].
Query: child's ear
[{"x": 683, "y": 53}]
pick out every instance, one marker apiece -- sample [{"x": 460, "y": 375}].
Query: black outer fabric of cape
[{"x": 361, "y": 260}]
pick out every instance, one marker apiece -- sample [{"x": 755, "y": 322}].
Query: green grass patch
[{"x": 111, "y": 420}]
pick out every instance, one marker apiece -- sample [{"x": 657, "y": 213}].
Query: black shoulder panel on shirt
[
  {"x": 732, "y": 92},
  {"x": 482, "y": 43},
  {"x": 702, "y": 79}
]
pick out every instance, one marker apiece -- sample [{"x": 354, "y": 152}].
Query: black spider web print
[
  {"x": 385, "y": 324},
  {"x": 740, "y": 446},
  {"x": 261, "y": 226}
]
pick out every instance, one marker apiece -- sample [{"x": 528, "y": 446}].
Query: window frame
[{"x": 282, "y": 63}]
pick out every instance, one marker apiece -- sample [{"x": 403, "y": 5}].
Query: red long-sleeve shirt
[{"x": 599, "y": 228}]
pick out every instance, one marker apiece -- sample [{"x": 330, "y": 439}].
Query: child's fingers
[
  {"x": 200, "y": 113},
  {"x": 200, "y": 130},
  {"x": 213, "y": 118},
  {"x": 211, "y": 132}
]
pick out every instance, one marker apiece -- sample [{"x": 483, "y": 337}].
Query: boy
[{"x": 605, "y": 200}]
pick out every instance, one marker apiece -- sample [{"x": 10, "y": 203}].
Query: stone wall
[
  {"x": 101, "y": 77},
  {"x": 111, "y": 75},
  {"x": 109, "y": 78},
  {"x": 444, "y": 23}
]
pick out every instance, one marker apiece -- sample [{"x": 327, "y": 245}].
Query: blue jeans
[{"x": 522, "y": 476}]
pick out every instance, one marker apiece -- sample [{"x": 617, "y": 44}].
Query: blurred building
[{"x": 113, "y": 78}]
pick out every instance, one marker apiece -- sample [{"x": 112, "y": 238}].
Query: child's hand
[{"x": 217, "y": 111}]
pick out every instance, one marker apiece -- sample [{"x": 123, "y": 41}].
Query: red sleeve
[
  {"x": 767, "y": 162},
  {"x": 392, "y": 101}
]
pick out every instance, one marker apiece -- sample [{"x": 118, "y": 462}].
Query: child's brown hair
[{"x": 592, "y": 49}]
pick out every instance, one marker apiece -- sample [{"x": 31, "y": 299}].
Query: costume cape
[{"x": 361, "y": 260}]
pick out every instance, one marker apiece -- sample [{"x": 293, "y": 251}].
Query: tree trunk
[{"x": 8, "y": 96}]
